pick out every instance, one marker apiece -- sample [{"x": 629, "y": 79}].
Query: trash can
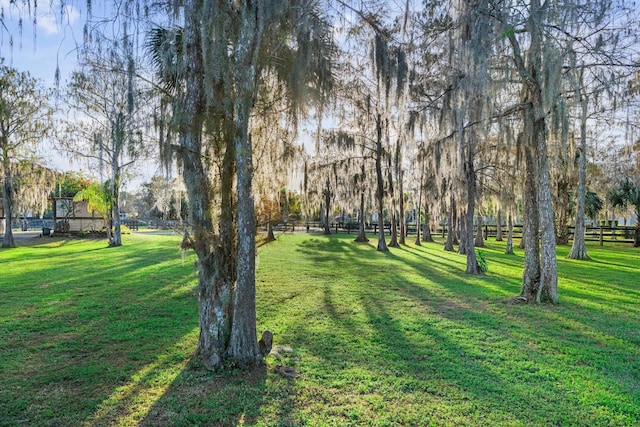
[{"x": 46, "y": 231}]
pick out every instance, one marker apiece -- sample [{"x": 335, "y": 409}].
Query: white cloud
[
  {"x": 51, "y": 22},
  {"x": 48, "y": 17}
]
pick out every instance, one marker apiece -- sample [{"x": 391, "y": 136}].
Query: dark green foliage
[
  {"x": 625, "y": 194},
  {"x": 482, "y": 261},
  {"x": 592, "y": 204},
  {"x": 165, "y": 48}
]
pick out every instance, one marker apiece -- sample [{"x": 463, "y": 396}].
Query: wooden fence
[{"x": 603, "y": 234}]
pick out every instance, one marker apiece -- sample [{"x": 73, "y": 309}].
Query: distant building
[{"x": 75, "y": 217}]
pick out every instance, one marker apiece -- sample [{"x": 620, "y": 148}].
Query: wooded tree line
[{"x": 451, "y": 107}]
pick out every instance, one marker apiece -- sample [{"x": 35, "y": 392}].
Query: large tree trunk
[
  {"x": 562, "y": 234},
  {"x": 403, "y": 225},
  {"x": 449, "y": 243},
  {"x": 243, "y": 348},
  {"x": 327, "y": 194},
  {"x": 548, "y": 291},
  {"x": 418, "y": 209},
  {"x": 7, "y": 202},
  {"x": 214, "y": 296},
  {"x": 382, "y": 244},
  {"x": 479, "y": 242},
  {"x": 216, "y": 253},
  {"x": 509, "y": 249},
  {"x": 394, "y": 226},
  {"x": 362, "y": 235},
  {"x": 499, "y": 226},
  {"x": 463, "y": 247},
  {"x": 426, "y": 235},
  {"x": 116, "y": 238},
  {"x": 470, "y": 178},
  {"x": 579, "y": 247},
  {"x": 530, "y": 233},
  {"x": 270, "y": 236},
  {"x": 535, "y": 138}
]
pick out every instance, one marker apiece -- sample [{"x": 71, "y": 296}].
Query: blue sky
[{"x": 39, "y": 48}]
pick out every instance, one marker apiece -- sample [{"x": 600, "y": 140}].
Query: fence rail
[
  {"x": 622, "y": 234},
  {"x": 609, "y": 234}
]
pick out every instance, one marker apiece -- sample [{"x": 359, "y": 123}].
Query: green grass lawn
[{"x": 99, "y": 336}]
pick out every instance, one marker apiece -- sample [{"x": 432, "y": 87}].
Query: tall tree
[
  {"x": 540, "y": 282},
  {"x": 549, "y": 33},
  {"x": 223, "y": 51},
  {"x": 107, "y": 130},
  {"x": 25, "y": 120},
  {"x": 579, "y": 247},
  {"x": 471, "y": 85}
]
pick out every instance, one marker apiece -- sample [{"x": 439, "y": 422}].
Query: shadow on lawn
[
  {"x": 89, "y": 343},
  {"x": 454, "y": 342},
  {"x": 200, "y": 397},
  {"x": 458, "y": 342}
]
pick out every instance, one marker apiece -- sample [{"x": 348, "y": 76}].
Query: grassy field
[{"x": 97, "y": 336}]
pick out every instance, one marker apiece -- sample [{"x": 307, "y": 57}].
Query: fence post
[{"x": 601, "y": 236}]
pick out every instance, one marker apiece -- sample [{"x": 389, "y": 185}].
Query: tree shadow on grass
[
  {"x": 483, "y": 360},
  {"x": 200, "y": 397},
  {"x": 257, "y": 396},
  {"x": 89, "y": 346}
]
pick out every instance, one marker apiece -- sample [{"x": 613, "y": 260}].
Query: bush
[{"x": 482, "y": 261}]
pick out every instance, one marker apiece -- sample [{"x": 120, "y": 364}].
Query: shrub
[{"x": 482, "y": 261}]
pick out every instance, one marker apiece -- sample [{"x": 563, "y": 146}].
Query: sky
[{"x": 39, "y": 48}]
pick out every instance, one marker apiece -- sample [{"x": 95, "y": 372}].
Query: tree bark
[
  {"x": 418, "y": 209},
  {"x": 562, "y": 197},
  {"x": 327, "y": 202},
  {"x": 548, "y": 291},
  {"x": 216, "y": 253},
  {"x": 509, "y": 248},
  {"x": 243, "y": 347},
  {"x": 116, "y": 238},
  {"x": 403, "y": 225},
  {"x": 499, "y": 226},
  {"x": 463, "y": 248},
  {"x": 382, "y": 244},
  {"x": 362, "y": 235},
  {"x": 579, "y": 247},
  {"x": 394, "y": 220},
  {"x": 470, "y": 177},
  {"x": 449, "y": 245},
  {"x": 535, "y": 139},
  {"x": 7, "y": 200},
  {"x": 530, "y": 233},
  {"x": 426, "y": 235},
  {"x": 479, "y": 242}
]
